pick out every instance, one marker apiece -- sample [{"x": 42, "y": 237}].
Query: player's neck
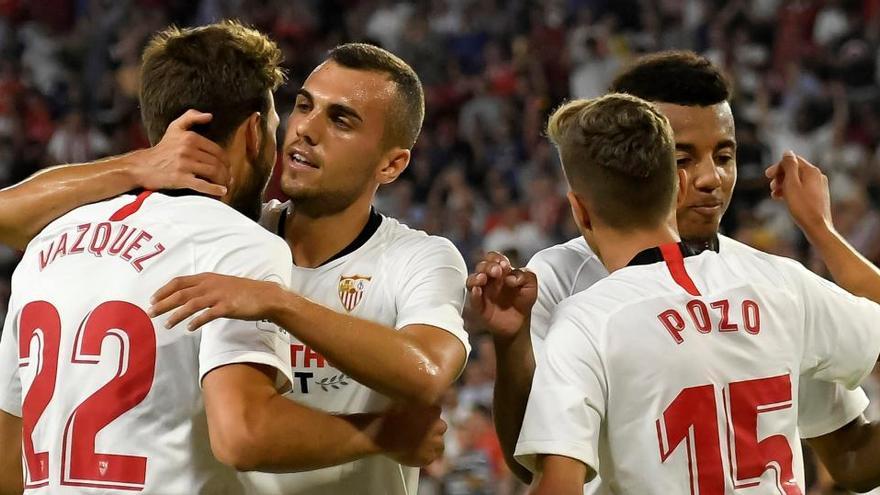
[
  {"x": 617, "y": 248},
  {"x": 315, "y": 239}
]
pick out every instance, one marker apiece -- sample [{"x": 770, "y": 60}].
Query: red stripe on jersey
[
  {"x": 131, "y": 208},
  {"x": 675, "y": 262}
]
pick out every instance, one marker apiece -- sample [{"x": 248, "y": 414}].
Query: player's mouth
[
  {"x": 708, "y": 208},
  {"x": 300, "y": 161}
]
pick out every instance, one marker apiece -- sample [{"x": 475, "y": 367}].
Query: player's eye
[
  {"x": 302, "y": 106},
  {"x": 724, "y": 160},
  {"x": 341, "y": 123},
  {"x": 683, "y": 161}
]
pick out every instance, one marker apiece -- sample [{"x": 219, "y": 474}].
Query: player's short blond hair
[{"x": 618, "y": 153}]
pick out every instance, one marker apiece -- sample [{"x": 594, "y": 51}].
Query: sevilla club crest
[{"x": 351, "y": 290}]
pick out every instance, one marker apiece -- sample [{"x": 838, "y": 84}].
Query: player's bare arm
[
  {"x": 850, "y": 452},
  {"x": 252, "y": 427},
  {"x": 10, "y": 454},
  {"x": 500, "y": 299},
  {"x": 561, "y": 475},
  {"x": 426, "y": 359},
  {"x": 182, "y": 160}
]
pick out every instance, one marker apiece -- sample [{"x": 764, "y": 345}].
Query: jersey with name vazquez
[
  {"x": 664, "y": 389},
  {"x": 110, "y": 399},
  {"x": 398, "y": 277}
]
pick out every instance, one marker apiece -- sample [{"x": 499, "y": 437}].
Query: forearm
[
  {"x": 377, "y": 356},
  {"x": 252, "y": 427},
  {"x": 27, "y": 207},
  {"x": 515, "y": 364},
  {"x": 849, "y": 269},
  {"x": 312, "y": 439},
  {"x": 850, "y": 454}
]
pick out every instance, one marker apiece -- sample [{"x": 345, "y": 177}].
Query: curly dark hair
[{"x": 678, "y": 77}]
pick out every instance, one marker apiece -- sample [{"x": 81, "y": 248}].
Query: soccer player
[
  {"x": 375, "y": 310},
  {"x": 101, "y": 396},
  {"x": 678, "y": 371},
  {"x": 375, "y": 307},
  {"x": 693, "y": 95}
]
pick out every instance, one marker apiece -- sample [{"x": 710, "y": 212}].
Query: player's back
[
  {"x": 693, "y": 369},
  {"x": 111, "y": 399}
]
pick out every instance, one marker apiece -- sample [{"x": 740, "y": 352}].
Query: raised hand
[
  {"x": 184, "y": 159},
  {"x": 804, "y": 188},
  {"x": 501, "y": 297}
]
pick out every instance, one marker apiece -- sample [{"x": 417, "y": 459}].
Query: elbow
[
  {"x": 429, "y": 390},
  {"x": 236, "y": 450},
  {"x": 236, "y": 441}
]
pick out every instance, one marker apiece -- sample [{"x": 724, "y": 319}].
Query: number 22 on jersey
[
  {"x": 691, "y": 418},
  {"x": 81, "y": 464}
]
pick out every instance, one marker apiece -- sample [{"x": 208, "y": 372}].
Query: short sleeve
[
  {"x": 10, "y": 381},
  {"x": 841, "y": 331},
  {"x": 225, "y": 341},
  {"x": 548, "y": 298},
  {"x": 432, "y": 289},
  {"x": 567, "y": 401},
  {"x": 824, "y": 407}
]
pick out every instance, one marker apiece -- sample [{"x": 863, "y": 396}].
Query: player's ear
[
  {"x": 393, "y": 164},
  {"x": 579, "y": 212},
  {"x": 682, "y": 188},
  {"x": 253, "y": 135}
]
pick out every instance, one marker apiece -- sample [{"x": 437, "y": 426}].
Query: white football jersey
[
  {"x": 680, "y": 376},
  {"x": 397, "y": 277},
  {"x": 110, "y": 399},
  {"x": 568, "y": 268}
]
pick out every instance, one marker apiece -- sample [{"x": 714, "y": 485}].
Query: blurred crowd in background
[{"x": 805, "y": 75}]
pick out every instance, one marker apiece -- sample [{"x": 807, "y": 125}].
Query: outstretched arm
[
  {"x": 182, "y": 160},
  {"x": 850, "y": 452}
]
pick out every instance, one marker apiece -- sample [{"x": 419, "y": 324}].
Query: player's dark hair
[
  {"x": 618, "y": 153},
  {"x": 407, "y": 114},
  {"x": 678, "y": 77},
  {"x": 226, "y": 69}
]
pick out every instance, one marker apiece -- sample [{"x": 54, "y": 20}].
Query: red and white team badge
[{"x": 351, "y": 290}]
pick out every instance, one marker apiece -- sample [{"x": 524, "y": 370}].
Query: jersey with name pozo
[
  {"x": 397, "y": 277},
  {"x": 110, "y": 400},
  {"x": 568, "y": 268},
  {"x": 664, "y": 391}
]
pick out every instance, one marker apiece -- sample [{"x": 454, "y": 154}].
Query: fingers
[
  {"x": 207, "y": 167},
  {"x": 204, "y": 187},
  {"x": 188, "y": 119},
  {"x": 478, "y": 279},
  {"x": 790, "y": 167},
  {"x": 176, "y": 284},
  {"x": 206, "y": 317},
  {"x": 519, "y": 278},
  {"x": 494, "y": 265},
  {"x": 190, "y": 308}
]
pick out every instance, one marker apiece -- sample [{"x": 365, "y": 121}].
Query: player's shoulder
[
  {"x": 748, "y": 260},
  {"x": 568, "y": 267},
  {"x": 570, "y": 253},
  {"x": 403, "y": 242}
]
